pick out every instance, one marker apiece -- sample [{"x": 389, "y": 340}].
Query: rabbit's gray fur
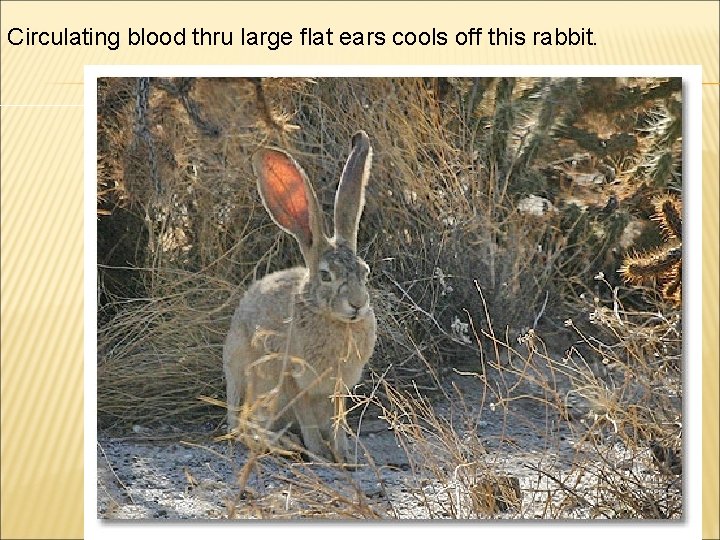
[{"x": 300, "y": 338}]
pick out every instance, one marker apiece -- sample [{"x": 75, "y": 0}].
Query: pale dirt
[{"x": 177, "y": 480}]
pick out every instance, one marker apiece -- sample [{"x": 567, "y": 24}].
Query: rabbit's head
[{"x": 337, "y": 280}]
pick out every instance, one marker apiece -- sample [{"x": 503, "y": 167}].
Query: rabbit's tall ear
[
  {"x": 289, "y": 197},
  {"x": 350, "y": 197}
]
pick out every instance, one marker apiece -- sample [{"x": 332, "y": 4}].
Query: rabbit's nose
[
  {"x": 358, "y": 302},
  {"x": 357, "y": 299}
]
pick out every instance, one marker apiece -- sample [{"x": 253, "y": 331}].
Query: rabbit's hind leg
[
  {"x": 312, "y": 424},
  {"x": 235, "y": 393}
]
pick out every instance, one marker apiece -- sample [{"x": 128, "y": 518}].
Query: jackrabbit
[{"x": 299, "y": 338}]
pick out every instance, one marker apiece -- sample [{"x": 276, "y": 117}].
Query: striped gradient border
[{"x": 41, "y": 351}]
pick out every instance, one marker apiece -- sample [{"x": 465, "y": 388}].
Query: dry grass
[
  {"x": 619, "y": 401},
  {"x": 465, "y": 279}
]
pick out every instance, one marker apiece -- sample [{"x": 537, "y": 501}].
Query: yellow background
[{"x": 42, "y": 185}]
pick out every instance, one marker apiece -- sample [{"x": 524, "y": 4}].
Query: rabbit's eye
[{"x": 325, "y": 275}]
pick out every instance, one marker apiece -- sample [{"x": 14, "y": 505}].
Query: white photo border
[{"x": 690, "y": 526}]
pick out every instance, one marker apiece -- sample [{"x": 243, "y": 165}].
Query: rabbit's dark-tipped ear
[
  {"x": 350, "y": 197},
  {"x": 288, "y": 196}
]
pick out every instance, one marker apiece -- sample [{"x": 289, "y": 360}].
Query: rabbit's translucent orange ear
[{"x": 287, "y": 194}]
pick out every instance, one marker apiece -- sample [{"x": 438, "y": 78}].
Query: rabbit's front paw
[{"x": 340, "y": 446}]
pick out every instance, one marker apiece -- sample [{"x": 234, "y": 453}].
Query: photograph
[{"x": 389, "y": 298}]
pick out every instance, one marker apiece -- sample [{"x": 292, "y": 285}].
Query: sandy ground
[{"x": 144, "y": 479}]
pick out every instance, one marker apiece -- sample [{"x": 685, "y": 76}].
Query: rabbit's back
[
  {"x": 269, "y": 301},
  {"x": 259, "y": 323}
]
